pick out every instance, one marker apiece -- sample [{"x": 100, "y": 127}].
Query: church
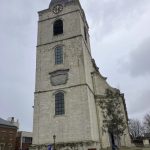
[{"x": 69, "y": 85}]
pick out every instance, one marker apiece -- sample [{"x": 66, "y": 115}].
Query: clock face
[{"x": 57, "y": 8}]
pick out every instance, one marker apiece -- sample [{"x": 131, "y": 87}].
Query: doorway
[{"x": 114, "y": 141}]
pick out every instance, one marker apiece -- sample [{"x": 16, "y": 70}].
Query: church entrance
[{"x": 114, "y": 141}]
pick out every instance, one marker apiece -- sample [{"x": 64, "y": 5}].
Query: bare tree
[
  {"x": 136, "y": 128},
  {"x": 147, "y": 123}
]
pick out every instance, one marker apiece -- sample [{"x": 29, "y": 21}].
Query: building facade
[
  {"x": 23, "y": 140},
  {"x": 69, "y": 85},
  {"x": 8, "y": 132},
  {"x": 146, "y": 139}
]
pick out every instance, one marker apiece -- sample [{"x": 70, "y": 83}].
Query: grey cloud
[
  {"x": 138, "y": 63},
  {"x": 141, "y": 104},
  {"x": 18, "y": 28},
  {"x": 109, "y": 15}
]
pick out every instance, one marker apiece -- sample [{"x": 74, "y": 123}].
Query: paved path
[{"x": 137, "y": 148}]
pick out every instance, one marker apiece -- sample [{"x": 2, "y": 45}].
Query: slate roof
[{"x": 6, "y": 123}]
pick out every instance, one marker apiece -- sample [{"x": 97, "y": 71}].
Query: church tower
[
  {"x": 64, "y": 101},
  {"x": 65, "y": 104}
]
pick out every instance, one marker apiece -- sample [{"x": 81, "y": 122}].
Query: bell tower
[
  {"x": 69, "y": 88},
  {"x": 64, "y": 103}
]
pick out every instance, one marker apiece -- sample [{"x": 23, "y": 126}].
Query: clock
[{"x": 57, "y": 8}]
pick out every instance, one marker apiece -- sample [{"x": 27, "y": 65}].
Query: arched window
[
  {"x": 59, "y": 104},
  {"x": 59, "y": 55},
  {"x": 58, "y": 27}
]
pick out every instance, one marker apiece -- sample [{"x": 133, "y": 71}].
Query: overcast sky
[{"x": 120, "y": 43}]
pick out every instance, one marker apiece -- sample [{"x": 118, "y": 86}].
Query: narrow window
[
  {"x": 58, "y": 27},
  {"x": 85, "y": 34},
  {"x": 59, "y": 55},
  {"x": 59, "y": 104}
]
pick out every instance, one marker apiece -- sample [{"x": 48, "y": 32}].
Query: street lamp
[{"x": 54, "y": 137}]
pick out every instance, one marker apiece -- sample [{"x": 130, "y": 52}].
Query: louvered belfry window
[{"x": 58, "y": 27}]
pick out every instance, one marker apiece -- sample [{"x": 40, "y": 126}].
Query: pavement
[
  {"x": 133, "y": 148},
  {"x": 136, "y": 148}
]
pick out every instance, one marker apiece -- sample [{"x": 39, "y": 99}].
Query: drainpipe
[{"x": 21, "y": 141}]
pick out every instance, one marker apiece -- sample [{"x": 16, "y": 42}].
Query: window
[
  {"x": 3, "y": 135},
  {"x": 59, "y": 55},
  {"x": 27, "y": 139},
  {"x": 85, "y": 33},
  {"x": 59, "y": 104},
  {"x": 58, "y": 27}
]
